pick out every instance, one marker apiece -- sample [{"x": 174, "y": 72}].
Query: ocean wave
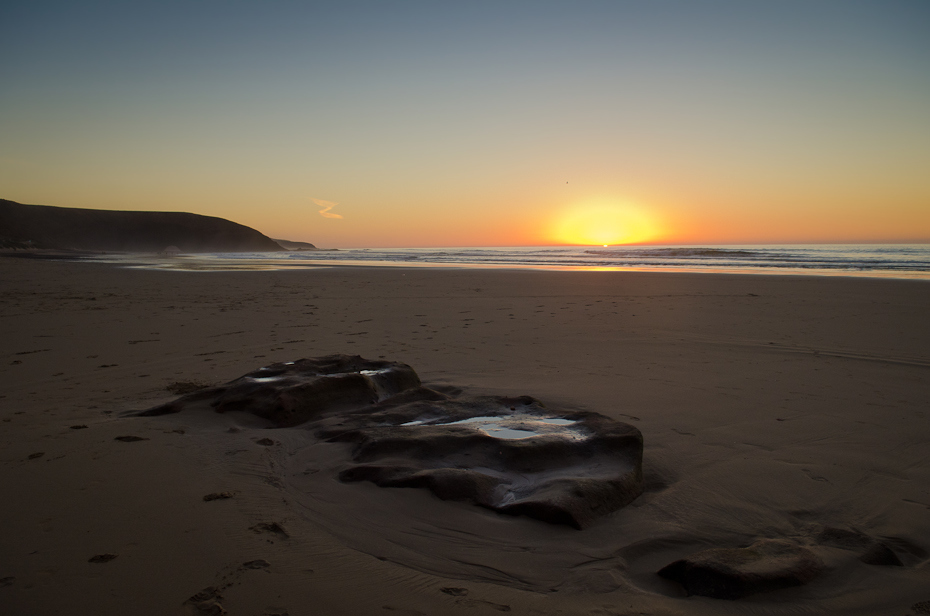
[
  {"x": 682, "y": 253},
  {"x": 912, "y": 260}
]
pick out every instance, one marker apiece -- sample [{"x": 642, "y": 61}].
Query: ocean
[{"x": 872, "y": 260}]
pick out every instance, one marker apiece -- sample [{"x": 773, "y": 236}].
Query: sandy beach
[{"x": 770, "y": 407}]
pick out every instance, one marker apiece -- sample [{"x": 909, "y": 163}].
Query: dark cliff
[{"x": 43, "y": 226}]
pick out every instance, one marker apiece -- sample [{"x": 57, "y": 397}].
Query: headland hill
[{"x": 45, "y": 227}]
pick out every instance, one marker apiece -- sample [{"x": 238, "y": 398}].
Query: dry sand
[{"x": 770, "y": 407}]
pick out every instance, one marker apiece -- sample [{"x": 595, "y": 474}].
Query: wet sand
[{"x": 770, "y": 406}]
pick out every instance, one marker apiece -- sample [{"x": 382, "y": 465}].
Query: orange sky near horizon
[{"x": 564, "y": 221}]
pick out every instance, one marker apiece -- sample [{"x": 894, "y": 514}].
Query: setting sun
[{"x": 604, "y": 224}]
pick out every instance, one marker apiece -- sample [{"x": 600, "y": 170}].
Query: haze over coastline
[{"x": 479, "y": 124}]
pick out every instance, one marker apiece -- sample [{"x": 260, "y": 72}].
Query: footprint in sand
[
  {"x": 256, "y": 564},
  {"x": 205, "y": 602},
  {"x": 101, "y": 558},
  {"x": 922, "y": 607},
  {"x": 218, "y": 496},
  {"x": 270, "y": 527}
]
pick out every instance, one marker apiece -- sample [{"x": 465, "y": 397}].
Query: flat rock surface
[
  {"x": 292, "y": 393},
  {"x": 512, "y": 455}
]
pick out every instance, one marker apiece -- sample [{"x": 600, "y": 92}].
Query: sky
[{"x": 505, "y": 123}]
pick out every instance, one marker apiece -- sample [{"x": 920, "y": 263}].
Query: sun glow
[{"x": 604, "y": 224}]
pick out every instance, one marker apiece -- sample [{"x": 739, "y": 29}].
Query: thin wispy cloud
[{"x": 327, "y": 206}]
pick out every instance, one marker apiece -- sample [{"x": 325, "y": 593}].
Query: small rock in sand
[
  {"x": 731, "y": 573},
  {"x": 130, "y": 439}
]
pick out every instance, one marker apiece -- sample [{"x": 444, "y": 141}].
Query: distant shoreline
[
  {"x": 907, "y": 262},
  {"x": 275, "y": 261}
]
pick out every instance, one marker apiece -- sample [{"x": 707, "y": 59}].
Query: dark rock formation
[
  {"x": 731, "y": 573},
  {"x": 43, "y": 226},
  {"x": 512, "y": 455},
  {"x": 292, "y": 393}
]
